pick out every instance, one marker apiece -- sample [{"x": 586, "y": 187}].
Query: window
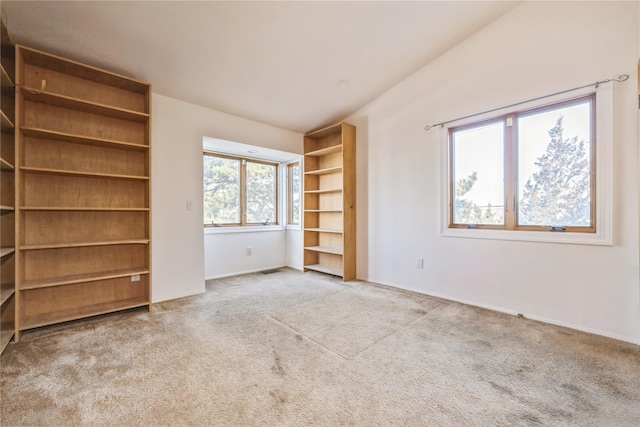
[
  {"x": 293, "y": 193},
  {"x": 238, "y": 191},
  {"x": 531, "y": 170}
]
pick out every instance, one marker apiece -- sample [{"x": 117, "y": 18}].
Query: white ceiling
[{"x": 296, "y": 65}]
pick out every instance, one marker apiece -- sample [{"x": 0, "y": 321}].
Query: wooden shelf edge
[
  {"x": 81, "y": 209},
  {"x": 5, "y": 294},
  {"x": 323, "y": 211},
  {"x": 44, "y": 97},
  {"x": 71, "y": 280},
  {"x": 324, "y": 249},
  {"x": 324, "y": 269},
  {"x": 7, "y": 208},
  {"x": 74, "y": 138},
  {"x": 6, "y": 251},
  {"x": 325, "y": 151},
  {"x": 324, "y": 230},
  {"x": 84, "y": 244},
  {"x": 6, "y": 76},
  {"x": 30, "y": 169},
  {"x": 5, "y": 122},
  {"x": 332, "y": 190},
  {"x": 84, "y": 312},
  {"x": 324, "y": 171},
  {"x": 5, "y": 165}
]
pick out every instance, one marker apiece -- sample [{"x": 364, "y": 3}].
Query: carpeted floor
[{"x": 293, "y": 349}]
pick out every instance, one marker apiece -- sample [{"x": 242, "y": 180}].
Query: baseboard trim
[
  {"x": 516, "y": 313},
  {"x": 238, "y": 273}
]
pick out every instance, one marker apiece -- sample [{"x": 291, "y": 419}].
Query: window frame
[
  {"x": 290, "y": 207},
  {"x": 510, "y": 161},
  {"x": 243, "y": 191},
  {"x": 601, "y": 162}
]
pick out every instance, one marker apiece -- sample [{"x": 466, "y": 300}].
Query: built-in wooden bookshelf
[
  {"x": 83, "y": 191},
  {"x": 330, "y": 201},
  {"x": 7, "y": 190}
]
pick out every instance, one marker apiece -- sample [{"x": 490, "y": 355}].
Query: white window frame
[
  {"x": 287, "y": 192},
  {"x": 604, "y": 170}
]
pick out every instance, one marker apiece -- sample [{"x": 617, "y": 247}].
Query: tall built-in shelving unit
[
  {"x": 83, "y": 191},
  {"x": 330, "y": 201},
  {"x": 7, "y": 191}
]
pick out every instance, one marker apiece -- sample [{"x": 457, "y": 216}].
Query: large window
[
  {"x": 239, "y": 191},
  {"x": 294, "y": 181},
  {"x": 530, "y": 170}
]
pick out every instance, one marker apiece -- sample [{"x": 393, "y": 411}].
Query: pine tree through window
[{"x": 530, "y": 170}]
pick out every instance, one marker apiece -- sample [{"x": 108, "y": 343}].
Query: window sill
[
  {"x": 602, "y": 239},
  {"x": 246, "y": 229},
  {"x": 295, "y": 227}
]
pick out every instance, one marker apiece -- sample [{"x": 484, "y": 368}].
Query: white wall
[
  {"x": 536, "y": 49},
  {"x": 179, "y": 253}
]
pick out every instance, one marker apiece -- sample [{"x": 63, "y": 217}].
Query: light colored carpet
[{"x": 293, "y": 349}]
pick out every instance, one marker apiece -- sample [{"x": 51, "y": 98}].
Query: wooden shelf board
[
  {"x": 5, "y": 294},
  {"x": 84, "y": 244},
  {"x": 69, "y": 280},
  {"x": 324, "y": 230},
  {"x": 69, "y": 137},
  {"x": 324, "y": 249},
  {"x": 5, "y": 165},
  {"x": 7, "y": 82},
  {"x": 6, "y": 251},
  {"x": 323, "y": 210},
  {"x": 5, "y": 122},
  {"x": 79, "y": 313},
  {"x": 331, "y": 190},
  {"x": 324, "y": 269},
  {"x": 81, "y": 209},
  {"x": 83, "y": 71},
  {"x": 325, "y": 151},
  {"x": 78, "y": 173},
  {"x": 329, "y": 130},
  {"x": 5, "y": 337},
  {"x": 7, "y": 208},
  {"x": 324, "y": 171},
  {"x": 34, "y": 95}
]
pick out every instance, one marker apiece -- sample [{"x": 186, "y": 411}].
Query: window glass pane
[
  {"x": 478, "y": 174},
  {"x": 554, "y": 166},
  {"x": 221, "y": 190},
  {"x": 261, "y": 193},
  {"x": 294, "y": 193}
]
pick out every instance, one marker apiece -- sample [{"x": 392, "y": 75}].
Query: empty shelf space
[
  {"x": 5, "y": 337},
  {"x": 77, "y": 173},
  {"x": 5, "y": 165},
  {"x": 5, "y": 294},
  {"x": 79, "y": 313},
  {"x": 6, "y": 251},
  {"x": 324, "y": 249},
  {"x": 325, "y": 171},
  {"x": 331, "y": 190},
  {"x": 325, "y": 151},
  {"x": 324, "y": 230},
  {"x": 83, "y": 244},
  {"x": 79, "y": 139},
  {"x": 34, "y": 95},
  {"x": 69, "y": 280},
  {"x": 324, "y": 269}
]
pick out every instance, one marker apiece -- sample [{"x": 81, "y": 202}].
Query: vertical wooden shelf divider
[
  {"x": 7, "y": 191},
  {"x": 330, "y": 201},
  {"x": 83, "y": 185}
]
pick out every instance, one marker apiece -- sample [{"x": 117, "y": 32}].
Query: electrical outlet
[
  {"x": 420, "y": 263},
  {"x": 248, "y": 251},
  {"x": 135, "y": 278}
]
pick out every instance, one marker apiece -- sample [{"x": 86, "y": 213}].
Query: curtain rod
[{"x": 620, "y": 79}]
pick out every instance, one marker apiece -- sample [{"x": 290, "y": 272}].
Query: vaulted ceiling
[{"x": 295, "y": 65}]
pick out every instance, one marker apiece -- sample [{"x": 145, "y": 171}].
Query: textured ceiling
[{"x": 295, "y": 65}]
